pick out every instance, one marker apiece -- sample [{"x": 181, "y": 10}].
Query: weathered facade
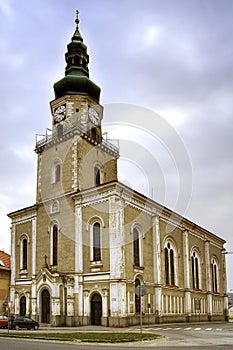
[
  {"x": 79, "y": 253},
  {"x": 5, "y": 273}
]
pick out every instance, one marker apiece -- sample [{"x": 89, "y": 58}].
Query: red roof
[{"x": 5, "y": 261}]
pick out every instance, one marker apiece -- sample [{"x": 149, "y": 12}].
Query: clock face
[
  {"x": 93, "y": 116},
  {"x": 59, "y": 114}
]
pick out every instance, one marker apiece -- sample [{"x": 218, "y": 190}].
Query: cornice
[
  {"x": 23, "y": 215},
  {"x": 140, "y": 202}
]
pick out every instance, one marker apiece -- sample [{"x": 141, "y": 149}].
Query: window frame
[
  {"x": 56, "y": 172},
  {"x": 196, "y": 273},
  {"x": 214, "y": 275},
  {"x": 95, "y": 252},
  {"x": 24, "y": 242},
  {"x": 137, "y": 245},
  {"x": 54, "y": 247},
  {"x": 97, "y": 176},
  {"x": 24, "y": 254},
  {"x": 170, "y": 263},
  {"x": 55, "y": 206}
]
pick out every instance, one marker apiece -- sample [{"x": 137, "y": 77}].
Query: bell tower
[
  {"x": 76, "y": 96},
  {"x": 75, "y": 153}
]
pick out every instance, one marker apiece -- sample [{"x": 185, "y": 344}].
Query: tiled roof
[{"x": 5, "y": 262}]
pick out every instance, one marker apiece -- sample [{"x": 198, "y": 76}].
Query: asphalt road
[
  {"x": 175, "y": 337},
  {"x": 13, "y": 344}
]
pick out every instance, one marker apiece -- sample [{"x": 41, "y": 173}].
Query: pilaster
[
  {"x": 16, "y": 302},
  {"x": 116, "y": 237},
  {"x": 156, "y": 249},
  {"x": 209, "y": 305},
  {"x": 13, "y": 245},
  {"x": 33, "y": 247},
  {"x": 78, "y": 239},
  {"x": 86, "y": 303},
  {"x": 158, "y": 301},
  {"x": 188, "y": 305},
  {"x": 186, "y": 259},
  {"x": 28, "y": 303},
  {"x": 80, "y": 300},
  {"x": 105, "y": 302},
  {"x": 207, "y": 263},
  {"x": 118, "y": 299}
]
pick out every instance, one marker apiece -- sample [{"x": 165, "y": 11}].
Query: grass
[{"x": 105, "y": 337}]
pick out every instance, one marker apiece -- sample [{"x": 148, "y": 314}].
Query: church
[{"x": 91, "y": 250}]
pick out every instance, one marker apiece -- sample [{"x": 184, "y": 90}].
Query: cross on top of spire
[{"x": 77, "y": 19}]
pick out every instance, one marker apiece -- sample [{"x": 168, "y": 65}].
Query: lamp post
[{"x": 140, "y": 292}]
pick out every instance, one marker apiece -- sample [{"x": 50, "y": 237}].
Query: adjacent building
[
  {"x": 5, "y": 273},
  {"x": 84, "y": 251}
]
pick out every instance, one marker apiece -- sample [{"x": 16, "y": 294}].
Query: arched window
[
  {"x": 54, "y": 207},
  {"x": 96, "y": 242},
  {"x": 136, "y": 247},
  {"x": 54, "y": 244},
  {"x": 169, "y": 264},
  {"x": 137, "y": 298},
  {"x": 60, "y": 131},
  {"x": 24, "y": 252},
  {"x": 195, "y": 261},
  {"x": 96, "y": 176},
  {"x": 214, "y": 268},
  {"x": 56, "y": 173}
]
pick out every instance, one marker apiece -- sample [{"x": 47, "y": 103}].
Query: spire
[
  {"x": 76, "y": 80},
  {"x": 77, "y": 33},
  {"x": 76, "y": 57}
]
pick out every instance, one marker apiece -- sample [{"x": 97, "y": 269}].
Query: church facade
[{"x": 92, "y": 250}]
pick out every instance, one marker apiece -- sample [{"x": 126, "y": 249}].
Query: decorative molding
[
  {"x": 23, "y": 215},
  {"x": 75, "y": 163},
  {"x": 54, "y": 206}
]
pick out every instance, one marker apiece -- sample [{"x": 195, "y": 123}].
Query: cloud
[
  {"x": 151, "y": 36},
  {"x": 6, "y": 9},
  {"x": 173, "y": 57}
]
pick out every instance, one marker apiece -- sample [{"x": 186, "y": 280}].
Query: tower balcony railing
[{"x": 70, "y": 129}]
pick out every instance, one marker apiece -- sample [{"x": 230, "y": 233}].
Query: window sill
[
  {"x": 171, "y": 285},
  {"x": 96, "y": 266},
  {"x": 23, "y": 273},
  {"x": 138, "y": 268}
]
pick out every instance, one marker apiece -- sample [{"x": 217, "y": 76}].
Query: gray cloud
[{"x": 160, "y": 54}]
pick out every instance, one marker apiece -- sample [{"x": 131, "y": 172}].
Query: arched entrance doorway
[
  {"x": 96, "y": 309},
  {"x": 22, "y": 306},
  {"x": 45, "y": 306}
]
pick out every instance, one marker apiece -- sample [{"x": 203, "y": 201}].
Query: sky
[{"x": 166, "y": 62}]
